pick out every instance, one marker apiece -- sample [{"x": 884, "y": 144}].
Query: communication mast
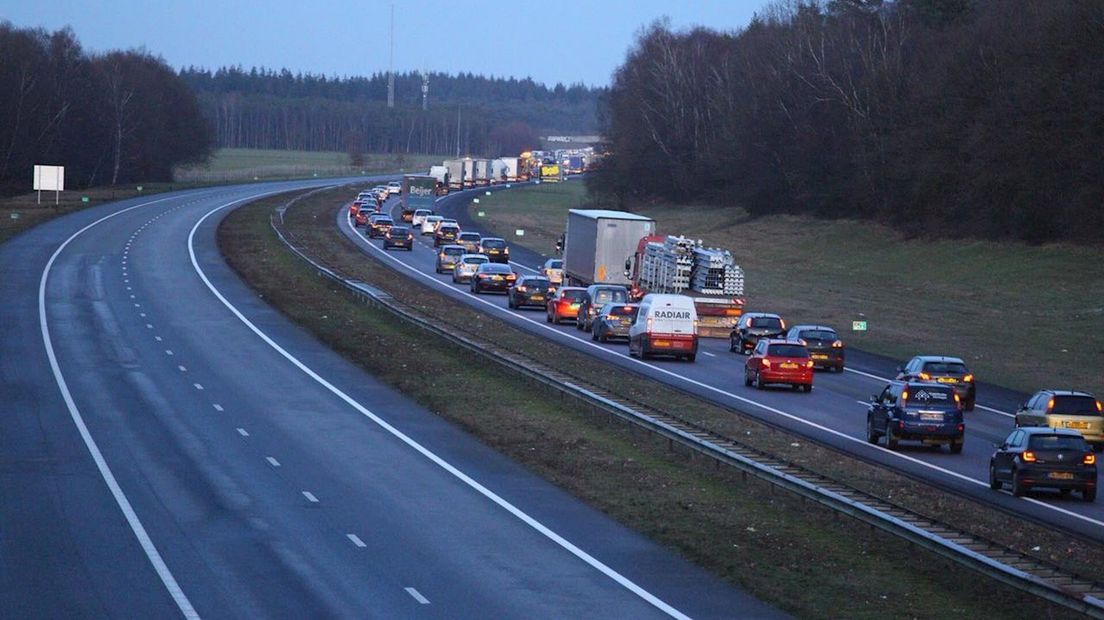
[{"x": 425, "y": 89}]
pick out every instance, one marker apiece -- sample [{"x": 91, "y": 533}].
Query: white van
[{"x": 665, "y": 325}]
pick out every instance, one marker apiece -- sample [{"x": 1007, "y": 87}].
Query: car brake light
[
  {"x": 1050, "y": 404},
  {"x": 750, "y": 322},
  {"x": 1090, "y": 459},
  {"x": 1098, "y": 408},
  {"x": 968, "y": 378},
  {"x": 809, "y": 364},
  {"x": 629, "y": 309},
  {"x": 521, "y": 288},
  {"x": 765, "y": 363},
  {"x": 904, "y": 395},
  {"x": 1027, "y": 456},
  {"x": 782, "y": 323},
  {"x": 957, "y": 399},
  {"x": 802, "y": 341},
  {"x": 925, "y": 376},
  {"x": 837, "y": 344}
]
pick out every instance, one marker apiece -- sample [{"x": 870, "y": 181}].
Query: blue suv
[{"x": 920, "y": 411}]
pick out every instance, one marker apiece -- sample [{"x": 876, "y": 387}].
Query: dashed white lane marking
[
  {"x": 863, "y": 403},
  {"x": 157, "y": 338},
  {"x": 198, "y": 386},
  {"x": 182, "y": 368},
  {"x": 128, "y": 288},
  {"x": 310, "y": 497},
  {"x": 142, "y": 314},
  {"x": 168, "y": 352},
  {"x": 273, "y": 462},
  {"x": 243, "y": 432},
  {"x": 522, "y": 516},
  {"x": 356, "y": 540},
  {"x": 417, "y": 596},
  {"x": 149, "y": 325},
  {"x": 133, "y": 297},
  {"x": 137, "y": 305},
  {"x": 218, "y": 407},
  {"x": 709, "y": 354}
]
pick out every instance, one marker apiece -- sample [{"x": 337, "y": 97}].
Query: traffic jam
[{"x": 664, "y": 297}]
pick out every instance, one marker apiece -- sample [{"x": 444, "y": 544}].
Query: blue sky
[{"x": 559, "y": 41}]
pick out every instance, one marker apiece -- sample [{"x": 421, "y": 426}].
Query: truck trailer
[
  {"x": 419, "y": 191},
  {"x": 598, "y": 242},
  {"x": 456, "y": 170}
]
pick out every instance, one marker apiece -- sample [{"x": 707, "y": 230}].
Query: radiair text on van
[{"x": 672, "y": 314}]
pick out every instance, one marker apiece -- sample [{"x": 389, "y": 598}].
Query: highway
[
  {"x": 172, "y": 446},
  {"x": 834, "y": 414}
]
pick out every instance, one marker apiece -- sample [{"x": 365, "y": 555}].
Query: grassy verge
[
  {"x": 783, "y": 550},
  {"x": 1022, "y": 316},
  {"x": 227, "y": 165}
]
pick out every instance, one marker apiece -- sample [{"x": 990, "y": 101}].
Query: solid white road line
[
  {"x": 789, "y": 416},
  {"x": 139, "y": 530},
  {"x": 356, "y": 540},
  {"x": 310, "y": 497},
  {"x": 440, "y": 462},
  {"x": 417, "y": 596}
]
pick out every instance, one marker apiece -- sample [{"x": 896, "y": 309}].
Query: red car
[
  {"x": 362, "y": 217},
  {"x": 565, "y": 304},
  {"x": 779, "y": 361}
]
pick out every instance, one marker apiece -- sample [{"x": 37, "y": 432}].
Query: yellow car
[{"x": 1079, "y": 411}]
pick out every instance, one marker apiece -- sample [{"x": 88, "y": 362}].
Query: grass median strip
[{"x": 786, "y": 551}]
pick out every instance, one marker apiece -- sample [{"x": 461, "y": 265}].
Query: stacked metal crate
[{"x": 715, "y": 272}]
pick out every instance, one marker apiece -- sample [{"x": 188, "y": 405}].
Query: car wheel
[
  {"x": 547, "y": 317},
  {"x": 1088, "y": 494},
  {"x": 555, "y": 319},
  {"x": 956, "y": 447},
  {"x": 594, "y": 335},
  {"x": 1018, "y": 488},
  {"x": 691, "y": 357},
  {"x": 891, "y": 439},
  {"x": 510, "y": 301},
  {"x": 808, "y": 388},
  {"x": 797, "y": 387},
  {"x": 993, "y": 482},
  {"x": 757, "y": 381},
  {"x": 969, "y": 405},
  {"x": 747, "y": 378},
  {"x": 871, "y": 435},
  {"x": 731, "y": 345},
  {"x": 839, "y": 368}
]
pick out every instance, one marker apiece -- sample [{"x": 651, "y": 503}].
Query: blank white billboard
[{"x": 49, "y": 178}]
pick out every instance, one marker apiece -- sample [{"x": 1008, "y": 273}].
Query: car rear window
[
  {"x": 494, "y": 243},
  {"x": 1074, "y": 405},
  {"x": 469, "y": 236},
  {"x": 1056, "y": 442},
  {"x": 496, "y": 268},
  {"x": 630, "y": 311},
  {"x": 537, "y": 282},
  {"x": 787, "y": 350},
  {"x": 767, "y": 322},
  {"x": 556, "y": 264},
  {"x": 455, "y": 251},
  {"x": 606, "y": 295},
  {"x": 475, "y": 260},
  {"x": 930, "y": 395},
  {"x": 574, "y": 295},
  {"x": 818, "y": 334},
  {"x": 399, "y": 230},
  {"x": 949, "y": 368}
]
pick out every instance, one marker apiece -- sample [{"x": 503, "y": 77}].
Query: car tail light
[
  {"x": 765, "y": 362},
  {"x": 409, "y": 236},
  {"x": 1050, "y": 404},
  {"x": 750, "y": 322},
  {"x": 901, "y": 424},
  {"x": 1027, "y": 456},
  {"x": 782, "y": 323},
  {"x": 925, "y": 376},
  {"x": 1098, "y": 408},
  {"x": 1090, "y": 459},
  {"x": 521, "y": 288},
  {"x": 837, "y": 344},
  {"x": 511, "y": 277},
  {"x": 957, "y": 399},
  {"x": 809, "y": 364},
  {"x": 802, "y": 342},
  {"x": 648, "y": 325},
  {"x": 968, "y": 378},
  {"x": 961, "y": 428}
]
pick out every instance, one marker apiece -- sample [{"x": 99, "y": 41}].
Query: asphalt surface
[
  {"x": 172, "y": 446},
  {"x": 834, "y": 414}
]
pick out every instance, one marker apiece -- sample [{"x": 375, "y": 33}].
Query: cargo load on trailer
[
  {"x": 482, "y": 171},
  {"x": 456, "y": 170},
  {"x": 441, "y": 174}
]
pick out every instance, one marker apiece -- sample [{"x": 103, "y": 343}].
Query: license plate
[
  {"x": 661, "y": 343},
  {"x": 574, "y": 306},
  {"x": 537, "y": 298},
  {"x": 496, "y": 278},
  {"x": 1078, "y": 425},
  {"x": 946, "y": 380},
  {"x": 1060, "y": 475},
  {"x": 789, "y": 365},
  {"x": 820, "y": 356},
  {"x": 931, "y": 417}
]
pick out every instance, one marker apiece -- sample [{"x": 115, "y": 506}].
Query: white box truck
[{"x": 598, "y": 243}]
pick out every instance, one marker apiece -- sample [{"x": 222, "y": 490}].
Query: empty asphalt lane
[{"x": 264, "y": 491}]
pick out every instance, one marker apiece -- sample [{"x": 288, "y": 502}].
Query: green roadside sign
[{"x": 858, "y": 326}]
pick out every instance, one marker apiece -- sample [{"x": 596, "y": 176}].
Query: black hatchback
[
  {"x": 824, "y": 345},
  {"x": 752, "y": 327},
  {"x": 920, "y": 411},
  {"x": 530, "y": 291},
  {"x": 1055, "y": 458}
]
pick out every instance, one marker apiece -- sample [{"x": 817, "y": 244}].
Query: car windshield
[
  {"x": 927, "y": 396},
  {"x": 574, "y": 295},
  {"x": 606, "y": 295},
  {"x": 469, "y": 236},
  {"x": 1074, "y": 405},
  {"x": 421, "y": 212},
  {"x": 629, "y": 311},
  {"x": 787, "y": 350},
  {"x": 454, "y": 251},
  {"x": 536, "y": 282},
  {"x": 945, "y": 368},
  {"x": 399, "y": 230},
  {"x": 1056, "y": 442},
  {"x": 555, "y": 264},
  {"x": 448, "y": 229},
  {"x": 475, "y": 260},
  {"x": 764, "y": 322},
  {"x": 433, "y": 218},
  {"x": 495, "y": 268},
  {"x": 818, "y": 334},
  {"x": 496, "y": 244}
]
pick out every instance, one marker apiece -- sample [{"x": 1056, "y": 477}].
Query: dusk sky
[{"x": 560, "y": 41}]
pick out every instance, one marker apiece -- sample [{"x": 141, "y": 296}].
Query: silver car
[
  {"x": 429, "y": 225},
  {"x": 467, "y": 266}
]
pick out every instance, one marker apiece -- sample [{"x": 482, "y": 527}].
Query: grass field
[
  {"x": 780, "y": 548},
  {"x": 228, "y": 165},
  {"x": 1022, "y": 316}
]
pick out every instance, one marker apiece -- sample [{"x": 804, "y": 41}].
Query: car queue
[{"x": 1052, "y": 445}]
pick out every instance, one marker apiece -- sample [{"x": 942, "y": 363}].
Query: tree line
[
  {"x": 271, "y": 109},
  {"x": 943, "y": 118},
  {"x": 108, "y": 118}
]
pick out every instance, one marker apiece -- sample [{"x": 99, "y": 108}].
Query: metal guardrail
[{"x": 997, "y": 561}]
